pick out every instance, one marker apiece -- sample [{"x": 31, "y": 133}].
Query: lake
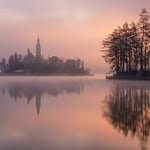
[{"x": 74, "y": 113}]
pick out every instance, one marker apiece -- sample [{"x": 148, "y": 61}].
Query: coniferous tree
[
  {"x": 127, "y": 49},
  {"x": 144, "y": 27}
]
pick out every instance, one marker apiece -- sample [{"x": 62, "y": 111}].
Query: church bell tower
[{"x": 38, "y": 50}]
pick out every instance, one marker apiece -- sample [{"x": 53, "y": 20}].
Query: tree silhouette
[
  {"x": 127, "y": 48},
  {"x": 144, "y": 27}
]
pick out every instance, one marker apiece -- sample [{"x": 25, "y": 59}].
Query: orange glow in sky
[{"x": 67, "y": 28}]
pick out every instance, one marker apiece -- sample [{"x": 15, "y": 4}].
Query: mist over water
[{"x": 77, "y": 113}]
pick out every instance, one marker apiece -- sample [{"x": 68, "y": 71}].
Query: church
[
  {"x": 35, "y": 64},
  {"x": 30, "y": 58}
]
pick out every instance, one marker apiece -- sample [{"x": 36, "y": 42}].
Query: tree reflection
[
  {"x": 128, "y": 110},
  {"x": 36, "y": 90}
]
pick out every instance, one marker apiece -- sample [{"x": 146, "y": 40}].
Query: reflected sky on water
[{"x": 77, "y": 113}]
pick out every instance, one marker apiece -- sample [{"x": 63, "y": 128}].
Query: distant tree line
[
  {"x": 127, "y": 48},
  {"x": 16, "y": 64}
]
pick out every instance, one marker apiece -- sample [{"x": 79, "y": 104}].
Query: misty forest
[{"x": 52, "y": 66}]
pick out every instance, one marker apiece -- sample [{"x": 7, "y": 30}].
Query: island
[
  {"x": 28, "y": 64},
  {"x": 127, "y": 50}
]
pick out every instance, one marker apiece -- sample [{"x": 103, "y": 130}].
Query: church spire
[
  {"x": 38, "y": 40},
  {"x": 38, "y": 49}
]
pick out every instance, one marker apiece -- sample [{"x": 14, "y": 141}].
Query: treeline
[
  {"x": 19, "y": 64},
  {"x": 127, "y": 48}
]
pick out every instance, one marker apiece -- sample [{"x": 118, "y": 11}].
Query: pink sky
[{"x": 67, "y": 28}]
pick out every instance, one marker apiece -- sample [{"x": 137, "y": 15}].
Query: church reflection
[
  {"x": 127, "y": 108},
  {"x": 31, "y": 91}
]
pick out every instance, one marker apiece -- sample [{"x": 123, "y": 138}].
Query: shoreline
[
  {"x": 128, "y": 77},
  {"x": 7, "y": 75}
]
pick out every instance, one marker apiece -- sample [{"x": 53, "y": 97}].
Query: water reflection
[
  {"x": 128, "y": 110},
  {"x": 18, "y": 90}
]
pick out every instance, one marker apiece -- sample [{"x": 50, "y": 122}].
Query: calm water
[{"x": 73, "y": 113}]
